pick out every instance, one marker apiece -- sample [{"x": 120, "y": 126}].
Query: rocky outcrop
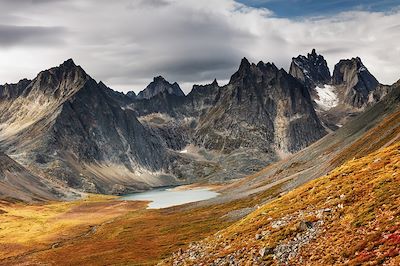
[
  {"x": 160, "y": 85},
  {"x": 262, "y": 107},
  {"x": 348, "y": 92},
  {"x": 358, "y": 84},
  {"x": 196, "y": 103},
  {"x": 11, "y": 91},
  {"x": 67, "y": 125},
  {"x": 131, "y": 94},
  {"x": 18, "y": 183},
  {"x": 162, "y": 102},
  {"x": 202, "y": 97},
  {"x": 311, "y": 70},
  {"x": 64, "y": 124}
]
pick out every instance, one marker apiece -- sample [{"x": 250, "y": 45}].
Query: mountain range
[{"x": 68, "y": 133}]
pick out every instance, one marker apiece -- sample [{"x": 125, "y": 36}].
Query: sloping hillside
[
  {"x": 17, "y": 183},
  {"x": 349, "y": 216},
  {"x": 145, "y": 237},
  {"x": 366, "y": 133},
  {"x": 64, "y": 125}
]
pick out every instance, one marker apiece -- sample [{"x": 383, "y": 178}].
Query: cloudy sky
[{"x": 125, "y": 43}]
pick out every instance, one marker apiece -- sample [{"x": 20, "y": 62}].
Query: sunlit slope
[{"x": 350, "y": 216}]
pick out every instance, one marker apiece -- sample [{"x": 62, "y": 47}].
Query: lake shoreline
[{"x": 166, "y": 197}]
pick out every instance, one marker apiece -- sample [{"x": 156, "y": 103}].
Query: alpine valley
[{"x": 306, "y": 164}]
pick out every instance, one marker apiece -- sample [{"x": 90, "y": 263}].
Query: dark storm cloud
[
  {"x": 11, "y": 35},
  {"x": 126, "y": 43}
]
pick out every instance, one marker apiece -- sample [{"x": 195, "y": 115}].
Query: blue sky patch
[{"x": 304, "y": 8}]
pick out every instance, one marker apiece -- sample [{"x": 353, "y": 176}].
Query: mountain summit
[
  {"x": 358, "y": 83},
  {"x": 262, "y": 107},
  {"x": 66, "y": 125},
  {"x": 312, "y": 70},
  {"x": 160, "y": 85},
  {"x": 349, "y": 91}
]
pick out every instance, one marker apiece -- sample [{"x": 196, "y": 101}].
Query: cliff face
[
  {"x": 261, "y": 107},
  {"x": 311, "y": 70},
  {"x": 357, "y": 83},
  {"x": 348, "y": 92},
  {"x": 65, "y": 124},
  {"x": 160, "y": 85}
]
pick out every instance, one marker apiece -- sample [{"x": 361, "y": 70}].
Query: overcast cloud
[{"x": 125, "y": 43}]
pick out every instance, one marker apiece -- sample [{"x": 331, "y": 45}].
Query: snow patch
[
  {"x": 361, "y": 69},
  {"x": 327, "y": 97}
]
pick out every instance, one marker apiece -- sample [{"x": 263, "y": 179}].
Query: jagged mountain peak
[
  {"x": 354, "y": 62},
  {"x": 160, "y": 85},
  {"x": 203, "y": 88},
  {"x": 68, "y": 63},
  {"x": 313, "y": 54},
  {"x": 61, "y": 81},
  {"x": 267, "y": 66},
  {"x": 131, "y": 94},
  {"x": 24, "y": 80},
  {"x": 10, "y": 91},
  {"x": 159, "y": 79},
  {"x": 347, "y": 70},
  {"x": 357, "y": 81},
  {"x": 68, "y": 69},
  {"x": 244, "y": 63},
  {"x": 250, "y": 71},
  {"x": 56, "y": 82},
  {"x": 311, "y": 70},
  {"x": 102, "y": 84}
]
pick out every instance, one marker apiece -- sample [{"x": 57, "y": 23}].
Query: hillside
[
  {"x": 18, "y": 183},
  {"x": 349, "y": 216},
  {"x": 144, "y": 237},
  {"x": 378, "y": 126},
  {"x": 65, "y": 127}
]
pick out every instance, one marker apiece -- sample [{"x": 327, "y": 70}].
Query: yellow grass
[{"x": 362, "y": 225}]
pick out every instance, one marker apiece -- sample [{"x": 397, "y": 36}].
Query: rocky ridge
[
  {"x": 64, "y": 124},
  {"x": 160, "y": 85},
  {"x": 346, "y": 93}
]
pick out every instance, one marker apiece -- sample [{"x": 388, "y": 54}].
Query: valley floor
[
  {"x": 102, "y": 230},
  {"x": 350, "y": 216}
]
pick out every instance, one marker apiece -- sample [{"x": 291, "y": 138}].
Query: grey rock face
[
  {"x": 17, "y": 183},
  {"x": 11, "y": 91},
  {"x": 202, "y": 98},
  {"x": 196, "y": 103},
  {"x": 103, "y": 131},
  {"x": 66, "y": 125},
  {"x": 131, "y": 94},
  {"x": 349, "y": 91},
  {"x": 357, "y": 81},
  {"x": 261, "y": 114},
  {"x": 69, "y": 126},
  {"x": 262, "y": 107},
  {"x": 311, "y": 70},
  {"x": 160, "y": 85},
  {"x": 162, "y": 102}
]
